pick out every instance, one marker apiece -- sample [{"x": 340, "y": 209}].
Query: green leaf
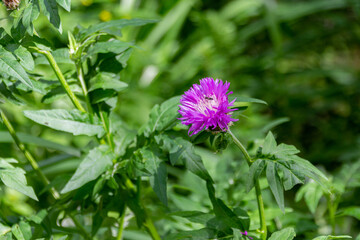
[
  {"x": 10, "y": 66},
  {"x": 39, "y": 217},
  {"x": 96, "y": 162},
  {"x": 162, "y": 116},
  {"x": 114, "y": 46},
  {"x": 240, "y": 99},
  {"x": 204, "y": 233},
  {"x": 269, "y": 144},
  {"x": 66, "y": 4},
  {"x": 17, "y": 232},
  {"x": 72, "y": 121},
  {"x": 113, "y": 27},
  {"x": 158, "y": 183},
  {"x": 352, "y": 211},
  {"x": 254, "y": 173},
  {"x": 50, "y": 10},
  {"x": 275, "y": 184},
  {"x": 224, "y": 213},
  {"x": 106, "y": 81},
  {"x": 25, "y": 230},
  {"x": 31, "y": 13},
  {"x": 25, "y": 58},
  {"x": 4, "y": 229},
  {"x": 5, "y": 137},
  {"x": 181, "y": 150},
  {"x": 292, "y": 175},
  {"x": 312, "y": 192},
  {"x": 330, "y": 237},
  {"x": 14, "y": 177},
  {"x": 284, "y": 234}
]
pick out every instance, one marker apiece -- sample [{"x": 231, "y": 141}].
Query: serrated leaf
[
  {"x": 10, "y": 66},
  {"x": 254, "y": 173},
  {"x": 275, "y": 184},
  {"x": 66, "y": 4},
  {"x": 162, "y": 116},
  {"x": 50, "y": 10},
  {"x": 284, "y": 234},
  {"x": 96, "y": 162},
  {"x": 72, "y": 121},
  {"x": 269, "y": 144},
  {"x": 158, "y": 183}
]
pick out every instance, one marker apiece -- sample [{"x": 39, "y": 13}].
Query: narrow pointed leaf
[{"x": 275, "y": 184}]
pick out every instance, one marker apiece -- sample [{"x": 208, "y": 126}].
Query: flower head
[
  {"x": 206, "y": 106},
  {"x": 12, "y": 4}
]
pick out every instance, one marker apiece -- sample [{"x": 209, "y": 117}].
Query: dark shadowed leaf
[
  {"x": 50, "y": 10},
  {"x": 254, "y": 173},
  {"x": 224, "y": 213},
  {"x": 158, "y": 183}
]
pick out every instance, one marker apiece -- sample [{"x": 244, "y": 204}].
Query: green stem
[
  {"x": 332, "y": 207},
  {"x": 105, "y": 121},
  {"x": 81, "y": 78},
  {"x": 28, "y": 155},
  {"x": 79, "y": 226},
  {"x": 260, "y": 201},
  {"x": 149, "y": 225},
  {"x": 61, "y": 78},
  {"x": 121, "y": 226}
]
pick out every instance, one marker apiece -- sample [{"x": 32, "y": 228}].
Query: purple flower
[{"x": 206, "y": 106}]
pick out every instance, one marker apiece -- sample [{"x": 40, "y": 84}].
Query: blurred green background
[{"x": 301, "y": 57}]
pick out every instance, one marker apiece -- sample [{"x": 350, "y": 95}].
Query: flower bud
[{"x": 11, "y": 4}]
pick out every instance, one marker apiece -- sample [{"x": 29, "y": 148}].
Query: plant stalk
[
  {"x": 28, "y": 155},
  {"x": 260, "y": 201},
  {"x": 121, "y": 226},
  {"x": 80, "y": 74},
  {"x": 62, "y": 80}
]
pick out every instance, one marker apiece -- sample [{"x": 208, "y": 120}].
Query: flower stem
[
  {"x": 61, "y": 78},
  {"x": 260, "y": 201},
  {"x": 28, "y": 155},
  {"x": 81, "y": 78},
  {"x": 121, "y": 226}
]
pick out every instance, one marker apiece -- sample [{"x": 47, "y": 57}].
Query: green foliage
[
  {"x": 14, "y": 177},
  {"x": 120, "y": 157}
]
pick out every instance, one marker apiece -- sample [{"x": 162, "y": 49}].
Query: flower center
[{"x": 209, "y": 102}]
